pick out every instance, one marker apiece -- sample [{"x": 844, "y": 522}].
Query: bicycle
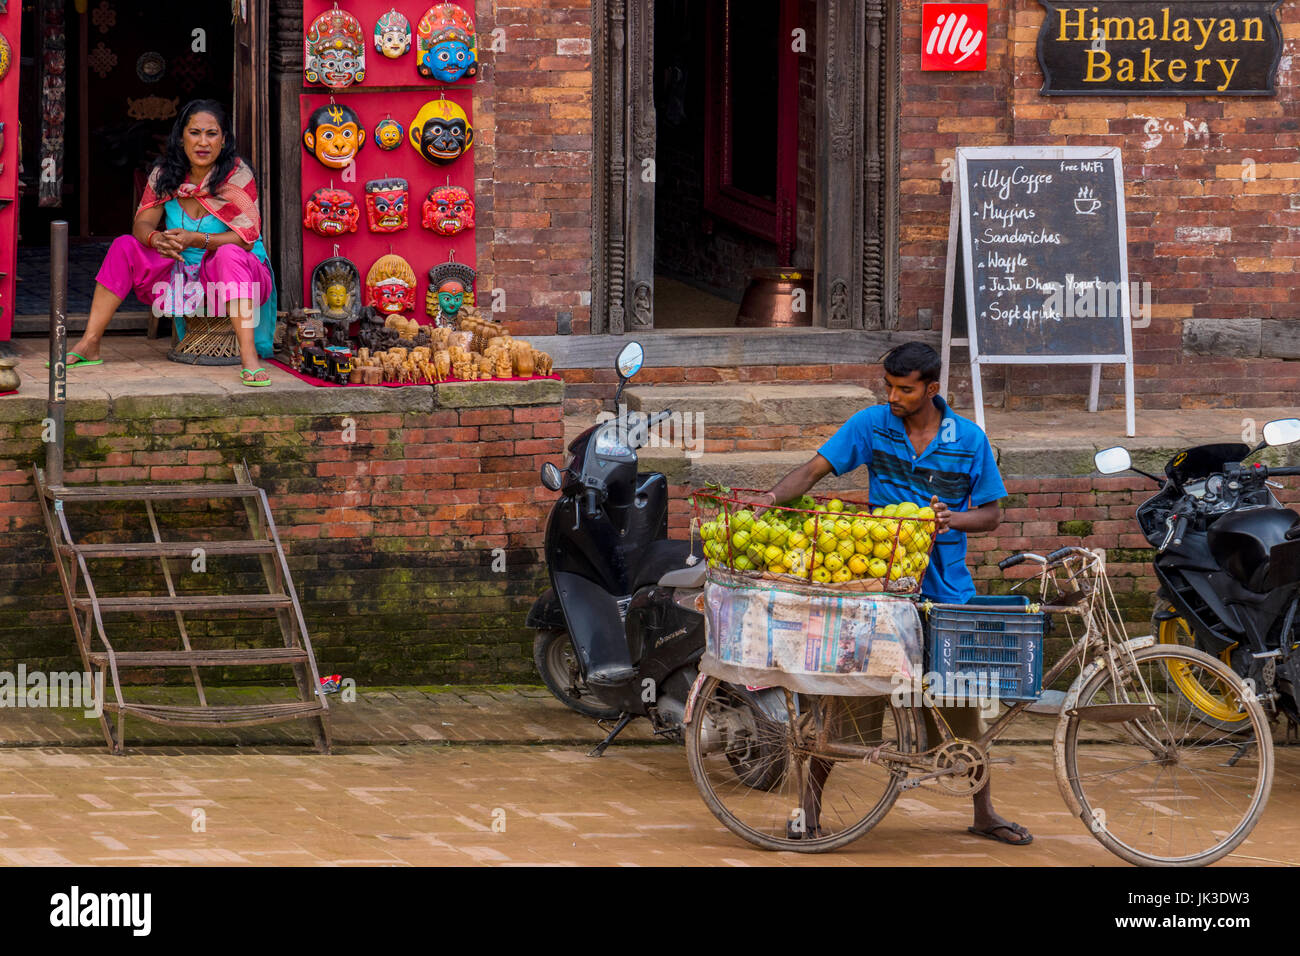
[{"x": 1151, "y": 776}]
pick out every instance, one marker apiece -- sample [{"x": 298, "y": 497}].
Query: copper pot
[{"x": 771, "y": 298}]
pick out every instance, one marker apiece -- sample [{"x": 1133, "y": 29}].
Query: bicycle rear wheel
[
  {"x": 1168, "y": 786},
  {"x": 815, "y": 794}
]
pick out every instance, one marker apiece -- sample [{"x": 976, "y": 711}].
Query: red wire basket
[{"x": 837, "y": 543}]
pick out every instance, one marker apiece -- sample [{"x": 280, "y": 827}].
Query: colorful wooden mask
[
  {"x": 334, "y": 134},
  {"x": 6, "y": 56},
  {"x": 448, "y": 210},
  {"x": 336, "y": 290},
  {"x": 447, "y": 48},
  {"x": 441, "y": 132},
  {"x": 387, "y": 204},
  {"x": 451, "y": 288},
  {"x": 335, "y": 50},
  {"x": 392, "y": 34},
  {"x": 390, "y": 285},
  {"x": 389, "y": 134},
  {"x": 331, "y": 212}
]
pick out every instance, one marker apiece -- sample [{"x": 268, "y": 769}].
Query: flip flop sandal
[
  {"x": 80, "y": 360},
  {"x": 246, "y": 376},
  {"x": 991, "y": 833}
]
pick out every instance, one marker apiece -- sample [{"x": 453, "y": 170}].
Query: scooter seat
[
  {"x": 660, "y": 558},
  {"x": 691, "y": 577}
]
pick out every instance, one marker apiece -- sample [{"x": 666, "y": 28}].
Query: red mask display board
[
  {"x": 10, "y": 35},
  {"x": 438, "y": 102}
]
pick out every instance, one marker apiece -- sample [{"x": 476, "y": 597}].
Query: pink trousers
[{"x": 228, "y": 272}]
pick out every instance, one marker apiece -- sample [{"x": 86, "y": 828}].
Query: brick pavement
[{"x": 420, "y": 775}]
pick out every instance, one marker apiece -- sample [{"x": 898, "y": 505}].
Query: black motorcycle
[
  {"x": 621, "y": 629},
  {"x": 1228, "y": 562}
]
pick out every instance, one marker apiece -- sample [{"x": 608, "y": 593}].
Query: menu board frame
[{"x": 960, "y": 245}]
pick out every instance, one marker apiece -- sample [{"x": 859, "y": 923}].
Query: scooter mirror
[
  {"x": 1111, "y": 461},
  {"x": 630, "y": 360},
  {"x": 1284, "y": 431},
  {"x": 551, "y": 477}
]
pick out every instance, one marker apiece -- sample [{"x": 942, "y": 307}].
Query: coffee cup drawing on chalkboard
[{"x": 1086, "y": 204}]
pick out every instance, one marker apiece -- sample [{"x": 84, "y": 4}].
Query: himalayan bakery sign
[{"x": 1186, "y": 48}]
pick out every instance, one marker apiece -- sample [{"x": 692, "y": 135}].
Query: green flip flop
[
  {"x": 246, "y": 376},
  {"x": 80, "y": 360}
]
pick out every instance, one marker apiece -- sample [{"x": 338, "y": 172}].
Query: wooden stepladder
[{"x": 92, "y": 613}]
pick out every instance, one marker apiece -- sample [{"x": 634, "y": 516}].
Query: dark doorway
[
  {"x": 130, "y": 66},
  {"x": 728, "y": 110}
]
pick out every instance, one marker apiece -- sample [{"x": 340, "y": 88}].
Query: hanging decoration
[
  {"x": 335, "y": 50},
  {"x": 53, "y": 102},
  {"x": 389, "y": 134},
  {"x": 390, "y": 285},
  {"x": 188, "y": 70},
  {"x": 334, "y": 134},
  {"x": 447, "y": 48},
  {"x": 104, "y": 17},
  {"x": 102, "y": 60},
  {"x": 392, "y": 35},
  {"x": 331, "y": 212},
  {"x": 151, "y": 67},
  {"x": 152, "y": 107},
  {"x": 441, "y": 132},
  {"x": 451, "y": 293},
  {"x": 448, "y": 210},
  {"x": 387, "y": 202}
]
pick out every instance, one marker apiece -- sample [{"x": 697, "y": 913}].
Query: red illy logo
[{"x": 954, "y": 36}]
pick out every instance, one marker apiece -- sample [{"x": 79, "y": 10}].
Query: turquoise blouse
[{"x": 174, "y": 217}]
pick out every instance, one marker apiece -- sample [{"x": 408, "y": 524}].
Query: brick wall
[
  {"x": 390, "y": 536},
  {"x": 533, "y": 162},
  {"x": 1214, "y": 246}
]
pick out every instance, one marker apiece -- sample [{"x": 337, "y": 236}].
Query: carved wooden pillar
[
  {"x": 838, "y": 288},
  {"x": 873, "y": 122},
  {"x": 286, "y": 146},
  {"x": 641, "y": 163}
]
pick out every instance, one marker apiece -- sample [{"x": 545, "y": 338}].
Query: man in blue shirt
[{"x": 917, "y": 449}]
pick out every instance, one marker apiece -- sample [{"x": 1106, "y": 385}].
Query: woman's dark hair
[
  {"x": 173, "y": 162},
  {"x": 914, "y": 357}
]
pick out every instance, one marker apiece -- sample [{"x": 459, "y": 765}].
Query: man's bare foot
[{"x": 997, "y": 828}]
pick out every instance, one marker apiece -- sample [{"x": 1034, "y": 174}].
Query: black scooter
[
  {"x": 620, "y": 632},
  {"x": 1228, "y": 562}
]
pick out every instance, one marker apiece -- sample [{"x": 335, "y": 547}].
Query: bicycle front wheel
[
  {"x": 1157, "y": 781},
  {"x": 795, "y": 780}
]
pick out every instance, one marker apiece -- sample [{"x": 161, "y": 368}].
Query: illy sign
[{"x": 954, "y": 36}]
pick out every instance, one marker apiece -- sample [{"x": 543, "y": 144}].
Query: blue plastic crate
[{"x": 980, "y": 649}]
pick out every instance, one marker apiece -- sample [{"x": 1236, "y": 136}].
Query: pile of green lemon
[{"x": 890, "y": 542}]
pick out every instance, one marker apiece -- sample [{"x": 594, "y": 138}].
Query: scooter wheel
[{"x": 557, "y": 662}]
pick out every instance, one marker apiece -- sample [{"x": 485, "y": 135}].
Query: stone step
[
  {"x": 742, "y": 405},
  {"x": 741, "y": 469}
]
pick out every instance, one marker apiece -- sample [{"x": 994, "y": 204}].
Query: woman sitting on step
[{"x": 196, "y": 241}]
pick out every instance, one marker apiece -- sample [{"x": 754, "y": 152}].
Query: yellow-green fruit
[
  {"x": 740, "y": 541},
  {"x": 877, "y": 568},
  {"x": 883, "y": 550},
  {"x": 877, "y": 512},
  {"x": 744, "y": 564},
  {"x": 881, "y": 531},
  {"x": 861, "y": 529},
  {"x": 927, "y": 513},
  {"x": 845, "y": 549},
  {"x": 919, "y": 563},
  {"x": 895, "y": 572},
  {"x": 755, "y": 553},
  {"x": 891, "y": 511},
  {"x": 921, "y": 542},
  {"x": 760, "y": 532},
  {"x": 818, "y": 559},
  {"x": 776, "y": 569},
  {"x": 827, "y": 542},
  {"x": 779, "y": 535},
  {"x": 907, "y": 509},
  {"x": 742, "y": 520},
  {"x": 835, "y": 506},
  {"x": 821, "y": 575},
  {"x": 798, "y": 540},
  {"x": 810, "y": 526},
  {"x": 773, "y": 554},
  {"x": 865, "y": 546},
  {"x": 842, "y": 575},
  {"x": 708, "y": 531},
  {"x": 857, "y": 565},
  {"x": 843, "y": 529},
  {"x": 833, "y": 563}
]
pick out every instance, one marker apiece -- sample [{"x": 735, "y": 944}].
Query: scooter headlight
[{"x": 612, "y": 442}]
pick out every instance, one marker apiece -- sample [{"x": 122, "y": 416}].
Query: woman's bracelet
[
  {"x": 149, "y": 239},
  {"x": 207, "y": 237}
]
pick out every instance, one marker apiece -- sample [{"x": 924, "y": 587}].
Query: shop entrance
[
  {"x": 129, "y": 68},
  {"x": 728, "y": 155}
]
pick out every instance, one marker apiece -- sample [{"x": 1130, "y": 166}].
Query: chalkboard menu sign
[{"x": 1038, "y": 264}]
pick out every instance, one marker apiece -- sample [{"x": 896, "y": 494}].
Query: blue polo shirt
[{"x": 958, "y": 467}]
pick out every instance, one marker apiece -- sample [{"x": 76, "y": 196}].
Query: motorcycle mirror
[
  {"x": 1283, "y": 431},
  {"x": 551, "y": 477},
  {"x": 1111, "y": 461},
  {"x": 630, "y": 360}
]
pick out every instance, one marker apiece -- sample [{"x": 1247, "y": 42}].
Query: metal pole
[{"x": 58, "y": 351}]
